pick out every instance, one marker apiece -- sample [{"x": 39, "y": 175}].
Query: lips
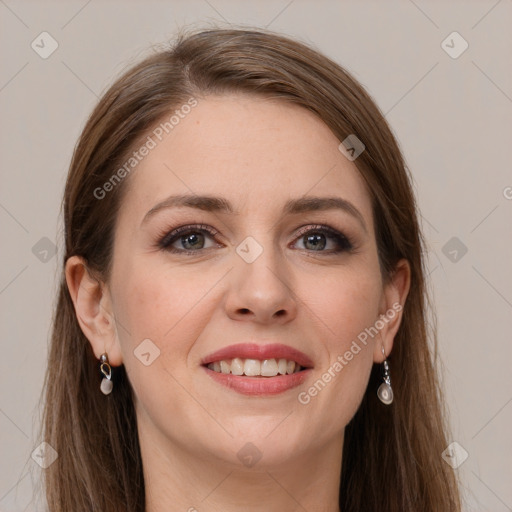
[{"x": 223, "y": 366}]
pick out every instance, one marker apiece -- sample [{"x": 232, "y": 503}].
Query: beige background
[{"x": 451, "y": 116}]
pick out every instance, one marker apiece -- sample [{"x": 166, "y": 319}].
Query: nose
[{"x": 261, "y": 291}]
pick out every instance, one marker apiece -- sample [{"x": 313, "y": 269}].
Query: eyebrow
[{"x": 291, "y": 207}]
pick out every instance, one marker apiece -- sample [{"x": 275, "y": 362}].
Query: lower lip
[{"x": 259, "y": 386}]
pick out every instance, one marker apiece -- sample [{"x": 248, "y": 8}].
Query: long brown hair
[{"x": 392, "y": 454}]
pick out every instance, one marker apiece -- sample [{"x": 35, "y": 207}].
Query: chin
[{"x": 259, "y": 445}]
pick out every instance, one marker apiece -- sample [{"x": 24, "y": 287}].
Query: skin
[{"x": 257, "y": 154}]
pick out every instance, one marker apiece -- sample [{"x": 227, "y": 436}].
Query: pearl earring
[
  {"x": 385, "y": 393},
  {"x": 106, "y": 384}
]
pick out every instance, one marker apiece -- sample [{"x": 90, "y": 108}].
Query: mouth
[{"x": 252, "y": 369}]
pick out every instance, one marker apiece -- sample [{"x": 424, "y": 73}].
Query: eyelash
[{"x": 167, "y": 238}]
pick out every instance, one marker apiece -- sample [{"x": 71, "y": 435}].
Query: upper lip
[{"x": 255, "y": 351}]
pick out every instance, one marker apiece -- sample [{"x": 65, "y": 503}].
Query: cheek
[
  {"x": 166, "y": 305},
  {"x": 157, "y": 334},
  {"x": 347, "y": 307},
  {"x": 347, "y": 311},
  {"x": 145, "y": 307},
  {"x": 152, "y": 298}
]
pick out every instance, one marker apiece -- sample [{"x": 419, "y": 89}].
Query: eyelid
[{"x": 317, "y": 227}]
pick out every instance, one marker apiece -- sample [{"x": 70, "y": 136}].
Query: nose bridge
[
  {"x": 261, "y": 284},
  {"x": 260, "y": 254}
]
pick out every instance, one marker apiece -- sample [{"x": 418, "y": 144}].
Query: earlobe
[
  {"x": 392, "y": 305},
  {"x": 93, "y": 309}
]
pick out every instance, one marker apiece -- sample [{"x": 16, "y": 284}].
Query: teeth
[
  {"x": 269, "y": 368},
  {"x": 225, "y": 367},
  {"x": 252, "y": 367},
  {"x": 237, "y": 366},
  {"x": 255, "y": 368},
  {"x": 281, "y": 366}
]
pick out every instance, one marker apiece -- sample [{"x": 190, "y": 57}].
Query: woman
[{"x": 241, "y": 322}]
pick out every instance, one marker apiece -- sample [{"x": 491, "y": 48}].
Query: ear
[
  {"x": 93, "y": 307},
  {"x": 391, "y": 309}
]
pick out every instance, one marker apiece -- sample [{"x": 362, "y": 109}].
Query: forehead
[{"x": 254, "y": 151}]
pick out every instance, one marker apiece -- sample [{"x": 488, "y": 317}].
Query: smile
[{"x": 254, "y": 369}]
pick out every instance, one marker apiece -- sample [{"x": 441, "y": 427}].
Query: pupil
[
  {"x": 314, "y": 240},
  {"x": 194, "y": 238}
]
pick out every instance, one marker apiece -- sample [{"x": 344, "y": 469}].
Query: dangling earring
[
  {"x": 385, "y": 393},
  {"x": 106, "y": 384}
]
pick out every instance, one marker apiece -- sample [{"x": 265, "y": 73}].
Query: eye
[
  {"x": 190, "y": 238},
  {"x": 315, "y": 238}
]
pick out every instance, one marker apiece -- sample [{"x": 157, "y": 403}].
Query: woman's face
[{"x": 253, "y": 267}]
